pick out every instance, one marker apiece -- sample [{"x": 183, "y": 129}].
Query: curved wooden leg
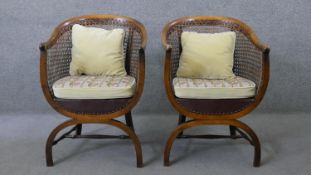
[
  {"x": 255, "y": 140},
  {"x": 195, "y": 123},
  {"x": 123, "y": 127},
  {"x": 50, "y": 140},
  {"x": 171, "y": 140},
  {"x": 133, "y": 137}
]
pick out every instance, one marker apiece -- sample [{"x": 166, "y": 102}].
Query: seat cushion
[
  {"x": 96, "y": 51},
  {"x": 207, "y": 55},
  {"x": 237, "y": 87},
  {"x": 94, "y": 87}
]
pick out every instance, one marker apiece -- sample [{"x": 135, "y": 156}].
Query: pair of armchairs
[{"x": 251, "y": 61}]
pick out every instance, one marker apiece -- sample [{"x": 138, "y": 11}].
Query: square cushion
[
  {"x": 237, "y": 87},
  {"x": 97, "y": 51},
  {"x": 207, "y": 55},
  {"x": 94, "y": 87}
]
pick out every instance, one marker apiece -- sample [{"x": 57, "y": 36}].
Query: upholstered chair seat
[
  {"x": 94, "y": 87},
  {"x": 235, "y": 88}
]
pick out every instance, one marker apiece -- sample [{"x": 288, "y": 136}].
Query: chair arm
[
  {"x": 265, "y": 73},
  {"x": 168, "y": 72},
  {"x": 44, "y": 74},
  {"x": 54, "y": 64},
  {"x": 168, "y": 60},
  {"x": 140, "y": 73}
]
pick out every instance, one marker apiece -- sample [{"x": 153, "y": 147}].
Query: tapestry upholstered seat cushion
[
  {"x": 237, "y": 87},
  {"x": 94, "y": 87}
]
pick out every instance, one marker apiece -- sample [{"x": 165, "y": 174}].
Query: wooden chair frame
[
  {"x": 54, "y": 64},
  {"x": 251, "y": 61}
]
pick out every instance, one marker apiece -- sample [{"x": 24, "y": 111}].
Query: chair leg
[
  {"x": 50, "y": 141},
  {"x": 79, "y": 129},
  {"x": 120, "y": 125},
  {"x": 128, "y": 120},
  {"x": 195, "y": 123},
  {"x": 181, "y": 120},
  {"x": 255, "y": 141},
  {"x": 134, "y": 138},
  {"x": 232, "y": 131},
  {"x": 170, "y": 142}
]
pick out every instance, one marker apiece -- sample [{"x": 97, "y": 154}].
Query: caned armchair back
[
  {"x": 59, "y": 46},
  {"x": 248, "y": 54}
]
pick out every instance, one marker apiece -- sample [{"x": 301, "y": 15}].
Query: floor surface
[{"x": 285, "y": 139}]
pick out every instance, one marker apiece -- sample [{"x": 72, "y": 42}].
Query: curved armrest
[
  {"x": 46, "y": 88},
  {"x": 168, "y": 72},
  {"x": 265, "y": 74},
  {"x": 140, "y": 74},
  {"x": 54, "y": 64}
]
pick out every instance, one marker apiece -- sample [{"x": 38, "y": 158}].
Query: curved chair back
[
  {"x": 251, "y": 59},
  {"x": 56, "y": 58}
]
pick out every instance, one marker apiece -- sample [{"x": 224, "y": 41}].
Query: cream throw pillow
[
  {"x": 207, "y": 55},
  {"x": 97, "y": 51}
]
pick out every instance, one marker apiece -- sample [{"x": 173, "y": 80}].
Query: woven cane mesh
[
  {"x": 247, "y": 58},
  {"x": 59, "y": 55}
]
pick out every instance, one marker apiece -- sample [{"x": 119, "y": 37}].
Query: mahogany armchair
[
  {"x": 54, "y": 65},
  {"x": 251, "y": 61}
]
